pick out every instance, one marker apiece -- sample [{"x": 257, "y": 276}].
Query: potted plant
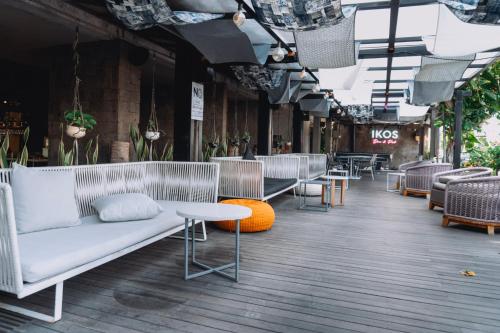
[
  {"x": 152, "y": 132},
  {"x": 246, "y": 137},
  {"x": 77, "y": 123}
]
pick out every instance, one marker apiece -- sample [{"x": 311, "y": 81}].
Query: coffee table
[
  {"x": 210, "y": 212},
  {"x": 325, "y": 206},
  {"x": 332, "y": 179}
]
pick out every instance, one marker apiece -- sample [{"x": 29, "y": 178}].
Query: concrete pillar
[
  {"x": 298, "y": 128},
  {"x": 316, "y": 143},
  {"x": 219, "y": 104},
  {"x": 306, "y": 136},
  {"x": 434, "y": 136},
  {"x": 109, "y": 90},
  {"x": 187, "y": 132},
  {"x": 264, "y": 140},
  {"x": 328, "y": 136}
]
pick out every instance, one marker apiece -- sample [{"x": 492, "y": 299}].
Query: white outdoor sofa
[
  {"x": 311, "y": 165},
  {"x": 34, "y": 261},
  {"x": 260, "y": 179}
]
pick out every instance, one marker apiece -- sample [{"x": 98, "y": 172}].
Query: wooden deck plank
[{"x": 381, "y": 263}]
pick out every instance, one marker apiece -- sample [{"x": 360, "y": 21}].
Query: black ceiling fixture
[{"x": 391, "y": 47}]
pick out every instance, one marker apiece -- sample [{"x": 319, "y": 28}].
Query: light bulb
[
  {"x": 239, "y": 17},
  {"x": 278, "y": 53},
  {"x": 303, "y": 73}
]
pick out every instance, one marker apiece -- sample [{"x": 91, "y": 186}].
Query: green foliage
[
  {"x": 80, "y": 119},
  {"x": 139, "y": 144},
  {"x": 92, "y": 150},
  {"x": 483, "y": 104},
  {"x": 4, "y": 148},
  {"x": 23, "y": 157},
  {"x": 64, "y": 158},
  {"x": 485, "y": 155},
  {"x": 167, "y": 153}
]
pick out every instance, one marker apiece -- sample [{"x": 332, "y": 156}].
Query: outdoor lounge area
[{"x": 249, "y": 166}]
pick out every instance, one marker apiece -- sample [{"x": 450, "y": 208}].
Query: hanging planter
[
  {"x": 75, "y": 132},
  {"x": 153, "y": 132}
]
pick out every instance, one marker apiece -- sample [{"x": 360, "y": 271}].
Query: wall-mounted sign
[
  {"x": 197, "y": 101},
  {"x": 385, "y": 136}
]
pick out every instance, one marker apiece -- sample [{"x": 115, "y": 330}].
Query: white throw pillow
[
  {"x": 126, "y": 207},
  {"x": 43, "y": 199}
]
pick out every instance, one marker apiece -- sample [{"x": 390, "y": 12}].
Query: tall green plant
[
  {"x": 23, "y": 157},
  {"x": 64, "y": 158},
  {"x": 92, "y": 150},
  {"x": 139, "y": 144},
  {"x": 4, "y": 148}
]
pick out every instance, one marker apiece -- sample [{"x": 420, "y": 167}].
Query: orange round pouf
[{"x": 262, "y": 216}]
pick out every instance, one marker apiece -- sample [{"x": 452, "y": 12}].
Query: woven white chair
[{"x": 169, "y": 181}]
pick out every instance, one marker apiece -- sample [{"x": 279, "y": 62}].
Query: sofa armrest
[
  {"x": 241, "y": 178},
  {"x": 281, "y": 166},
  {"x": 10, "y": 265},
  {"x": 474, "y": 198},
  {"x": 464, "y": 173}
]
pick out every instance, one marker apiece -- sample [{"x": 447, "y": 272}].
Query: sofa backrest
[
  {"x": 311, "y": 165},
  {"x": 173, "y": 181}
]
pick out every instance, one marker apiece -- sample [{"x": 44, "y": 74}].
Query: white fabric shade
[
  {"x": 339, "y": 78},
  {"x": 457, "y": 38},
  {"x": 408, "y": 112}
]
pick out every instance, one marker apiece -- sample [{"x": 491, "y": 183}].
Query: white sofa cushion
[
  {"x": 51, "y": 252},
  {"x": 43, "y": 199},
  {"x": 126, "y": 207}
]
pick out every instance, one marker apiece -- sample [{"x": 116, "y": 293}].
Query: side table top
[
  {"x": 213, "y": 211},
  {"x": 334, "y": 177},
  {"x": 396, "y": 173}
]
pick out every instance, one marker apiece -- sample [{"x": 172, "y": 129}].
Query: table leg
[
  {"x": 193, "y": 240},
  {"x": 237, "y": 252},
  {"x": 322, "y": 194},
  {"x": 186, "y": 249},
  {"x": 342, "y": 191},
  {"x": 333, "y": 193}
]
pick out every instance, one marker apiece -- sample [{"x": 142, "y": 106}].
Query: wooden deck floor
[{"x": 381, "y": 263}]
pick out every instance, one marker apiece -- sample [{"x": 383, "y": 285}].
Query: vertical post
[
  {"x": 264, "y": 140},
  {"x": 187, "y": 133},
  {"x": 457, "y": 136},
  {"x": 352, "y": 142},
  {"x": 298, "y": 128},
  {"x": 306, "y": 135},
  {"x": 316, "y": 144},
  {"x": 434, "y": 140},
  {"x": 328, "y": 136},
  {"x": 421, "y": 141}
]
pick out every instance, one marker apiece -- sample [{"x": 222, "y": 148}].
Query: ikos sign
[{"x": 384, "y": 136}]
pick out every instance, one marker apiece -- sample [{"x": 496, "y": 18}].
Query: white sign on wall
[
  {"x": 197, "y": 101},
  {"x": 385, "y": 136}
]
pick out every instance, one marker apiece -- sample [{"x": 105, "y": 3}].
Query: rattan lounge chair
[
  {"x": 418, "y": 179},
  {"x": 441, "y": 179},
  {"x": 473, "y": 201}
]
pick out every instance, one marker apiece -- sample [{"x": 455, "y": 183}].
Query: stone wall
[{"x": 406, "y": 148}]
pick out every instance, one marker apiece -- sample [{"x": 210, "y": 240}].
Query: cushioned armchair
[
  {"x": 473, "y": 201},
  {"x": 441, "y": 179},
  {"x": 418, "y": 179}
]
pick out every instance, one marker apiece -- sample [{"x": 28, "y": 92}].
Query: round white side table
[{"x": 211, "y": 212}]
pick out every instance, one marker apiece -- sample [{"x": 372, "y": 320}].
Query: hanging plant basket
[
  {"x": 152, "y": 135},
  {"x": 75, "y": 132}
]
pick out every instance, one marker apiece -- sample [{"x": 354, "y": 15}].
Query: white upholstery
[
  {"x": 43, "y": 199},
  {"x": 51, "y": 252},
  {"x": 126, "y": 207}
]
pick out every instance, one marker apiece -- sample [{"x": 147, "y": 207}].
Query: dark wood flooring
[{"x": 381, "y": 263}]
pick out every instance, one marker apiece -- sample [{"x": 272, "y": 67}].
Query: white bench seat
[{"x": 50, "y": 252}]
